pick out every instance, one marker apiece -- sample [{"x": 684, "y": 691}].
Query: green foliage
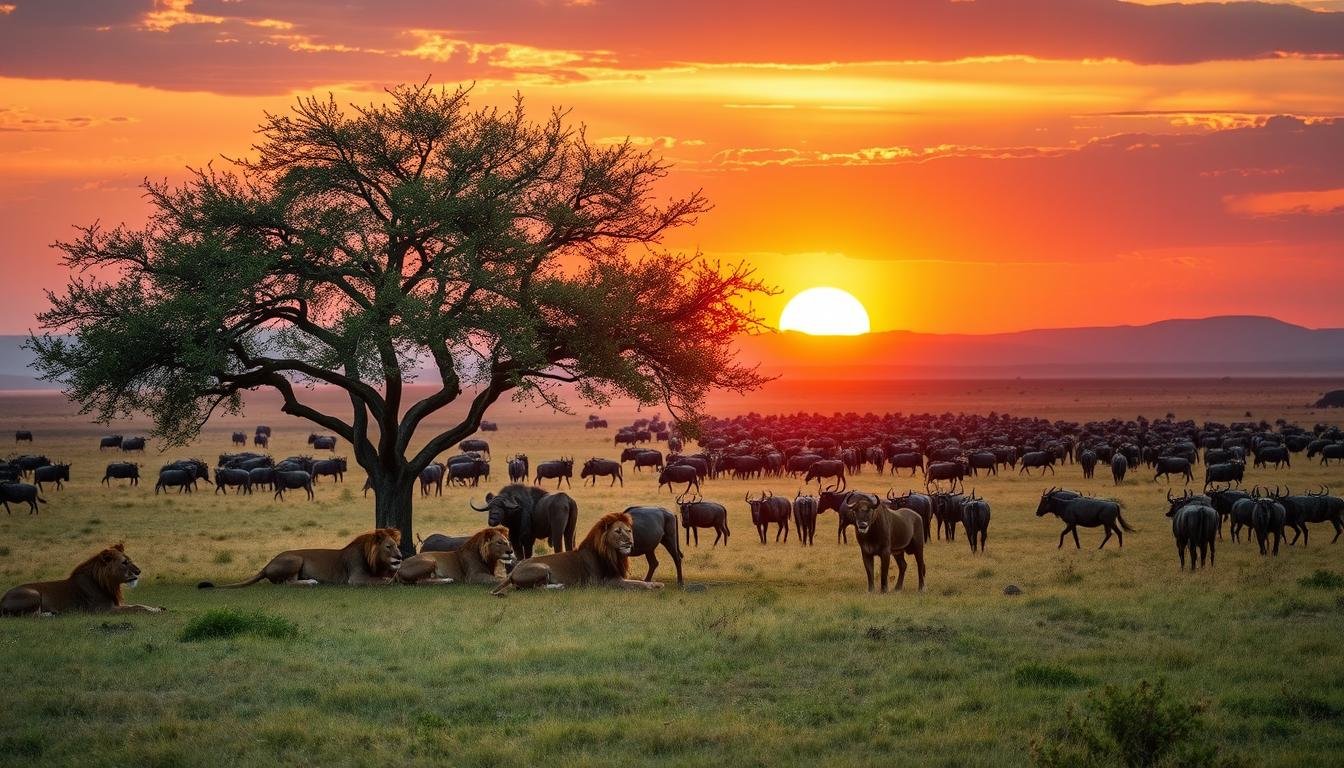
[
  {"x": 1139, "y": 727},
  {"x": 1047, "y": 676},
  {"x": 225, "y": 623},
  {"x": 1322, "y": 579}
]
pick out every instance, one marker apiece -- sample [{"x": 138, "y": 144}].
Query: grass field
[{"x": 782, "y": 659}]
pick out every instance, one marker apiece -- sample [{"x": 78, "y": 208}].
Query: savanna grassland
[{"x": 782, "y": 658}]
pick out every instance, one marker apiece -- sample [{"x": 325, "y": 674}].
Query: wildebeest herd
[{"x": 833, "y": 452}]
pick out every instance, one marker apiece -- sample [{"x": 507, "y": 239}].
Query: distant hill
[
  {"x": 1215, "y": 346},
  {"x": 1208, "y": 347}
]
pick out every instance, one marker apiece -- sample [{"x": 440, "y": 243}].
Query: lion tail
[{"x": 211, "y": 585}]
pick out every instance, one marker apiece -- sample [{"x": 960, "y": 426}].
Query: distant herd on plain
[{"x": 830, "y": 451}]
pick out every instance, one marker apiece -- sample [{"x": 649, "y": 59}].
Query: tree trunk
[{"x": 392, "y": 508}]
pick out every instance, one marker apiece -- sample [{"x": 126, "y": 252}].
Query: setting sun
[{"x": 825, "y": 312}]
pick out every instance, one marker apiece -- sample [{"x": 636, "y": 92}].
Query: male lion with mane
[
  {"x": 372, "y": 558},
  {"x": 93, "y": 587},
  {"x": 474, "y": 563},
  {"x": 602, "y": 558}
]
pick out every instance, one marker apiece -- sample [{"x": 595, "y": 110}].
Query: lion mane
[
  {"x": 615, "y": 564},
  {"x": 370, "y": 558}
]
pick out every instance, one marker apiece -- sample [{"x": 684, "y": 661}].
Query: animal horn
[
  {"x": 1168, "y": 494},
  {"x": 478, "y": 509}
]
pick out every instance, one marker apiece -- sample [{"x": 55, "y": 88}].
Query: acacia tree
[{"x": 358, "y": 247}]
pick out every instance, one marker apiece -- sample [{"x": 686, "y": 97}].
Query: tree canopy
[{"x": 357, "y": 246}]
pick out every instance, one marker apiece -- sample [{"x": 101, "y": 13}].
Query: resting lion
[
  {"x": 94, "y": 586},
  {"x": 601, "y": 558},
  {"x": 473, "y": 563},
  {"x": 372, "y": 558}
]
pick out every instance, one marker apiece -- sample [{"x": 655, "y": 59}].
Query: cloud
[
  {"x": 19, "y": 120},
  {"x": 1316, "y": 202}
]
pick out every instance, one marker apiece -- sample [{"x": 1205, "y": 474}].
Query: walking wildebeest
[
  {"x": 805, "y": 517},
  {"x": 260, "y": 440},
  {"x": 23, "y": 436},
  {"x": 920, "y": 502},
  {"x": 651, "y": 527},
  {"x": 770, "y": 509},
  {"x": 292, "y": 480},
  {"x": 1300, "y": 509},
  {"x": 827, "y": 469},
  {"x": 226, "y": 478},
  {"x": 20, "y": 493},
  {"x": 1273, "y": 454},
  {"x": 1194, "y": 524},
  {"x": 1037, "y": 459},
  {"x": 595, "y": 468},
  {"x": 239, "y": 438},
  {"x": 1332, "y": 452},
  {"x": 52, "y": 473},
  {"x": 174, "y": 477},
  {"x": 975, "y": 518},
  {"x": 475, "y": 470},
  {"x": 133, "y": 444},
  {"x": 261, "y": 477},
  {"x": 1230, "y": 472},
  {"x": 559, "y": 470},
  {"x": 910, "y": 461},
  {"x": 334, "y": 468},
  {"x": 828, "y": 500},
  {"x": 699, "y": 514},
  {"x": 882, "y": 532},
  {"x": 1075, "y": 510},
  {"x": 110, "y": 441},
  {"x": 1119, "y": 466},
  {"x": 122, "y": 470},
  {"x": 1173, "y": 465},
  {"x": 530, "y": 513},
  {"x": 985, "y": 460},
  {"x": 475, "y": 444},
  {"x": 679, "y": 473}
]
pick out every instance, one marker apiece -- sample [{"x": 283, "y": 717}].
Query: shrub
[{"x": 227, "y": 622}]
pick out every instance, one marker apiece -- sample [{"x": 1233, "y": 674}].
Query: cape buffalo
[{"x": 530, "y": 513}]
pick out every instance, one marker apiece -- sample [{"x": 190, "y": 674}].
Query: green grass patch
[
  {"x": 222, "y": 557},
  {"x": 1047, "y": 676},
  {"x": 225, "y": 623},
  {"x": 1322, "y": 579}
]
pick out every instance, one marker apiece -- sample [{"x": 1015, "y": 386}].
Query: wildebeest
[
  {"x": 799, "y": 463},
  {"x": 175, "y": 477},
  {"x": 985, "y": 460},
  {"x": 1268, "y": 519},
  {"x": 226, "y": 478},
  {"x": 805, "y": 517},
  {"x": 261, "y": 477},
  {"x": 697, "y": 514},
  {"x": 432, "y": 477},
  {"x": 1119, "y": 466},
  {"x": 975, "y": 518},
  {"x": 744, "y": 467},
  {"x": 475, "y": 444},
  {"x": 1194, "y": 524},
  {"x": 679, "y": 473},
  {"x": 438, "y": 542},
  {"x": 946, "y": 513},
  {"x": 1076, "y": 510},
  {"x": 559, "y": 470},
  {"x": 28, "y": 462},
  {"x": 334, "y": 468},
  {"x": 770, "y": 509},
  {"x": 109, "y": 441},
  {"x": 643, "y": 457},
  {"x": 52, "y": 473},
  {"x": 489, "y": 426},
  {"x": 1231, "y": 472},
  {"x": 652, "y": 527},
  {"x": 23, "y": 436},
  {"x": 133, "y": 444},
  {"x": 827, "y": 469},
  {"x": 1224, "y": 501},
  {"x": 260, "y": 440},
  {"x": 122, "y": 470},
  {"x": 1088, "y": 461},
  {"x": 292, "y": 480},
  {"x": 1042, "y": 460},
  {"x": 955, "y": 471},
  {"x": 922, "y": 503},
  {"x": 518, "y": 468},
  {"x": 475, "y": 470},
  {"x": 262, "y": 429},
  {"x": 1173, "y": 465},
  {"x": 322, "y": 442},
  {"x": 883, "y": 532},
  {"x": 239, "y": 438},
  {"x": 530, "y": 513},
  {"x": 1300, "y": 509},
  {"x": 910, "y": 461},
  {"x": 20, "y": 493},
  {"x": 595, "y": 468},
  {"x": 835, "y": 500},
  {"x": 1273, "y": 454},
  {"x": 1332, "y": 452}
]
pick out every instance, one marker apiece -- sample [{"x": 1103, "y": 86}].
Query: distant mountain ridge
[{"x": 1231, "y": 345}]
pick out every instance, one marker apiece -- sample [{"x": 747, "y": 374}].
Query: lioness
[
  {"x": 94, "y": 586},
  {"x": 882, "y": 532},
  {"x": 372, "y": 558},
  {"x": 601, "y": 558},
  {"x": 474, "y": 563}
]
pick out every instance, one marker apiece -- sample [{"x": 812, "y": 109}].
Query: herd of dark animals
[{"x": 945, "y": 449}]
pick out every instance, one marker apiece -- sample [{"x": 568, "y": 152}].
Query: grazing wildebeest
[
  {"x": 955, "y": 471},
  {"x": 20, "y": 493},
  {"x": 946, "y": 513},
  {"x": 1037, "y": 459},
  {"x": 260, "y": 440},
  {"x": 1231, "y": 472},
  {"x": 1195, "y": 526},
  {"x": 1300, "y": 509},
  {"x": 475, "y": 470},
  {"x": 1119, "y": 466},
  {"x": 1173, "y": 465},
  {"x": 910, "y": 461},
  {"x": 1273, "y": 454},
  {"x": 701, "y": 465},
  {"x": 745, "y": 467},
  {"x": 1088, "y": 461},
  {"x": 827, "y": 469},
  {"x": 596, "y": 468},
  {"x": 226, "y": 478},
  {"x": 133, "y": 444},
  {"x": 475, "y": 444},
  {"x": 835, "y": 500},
  {"x": 883, "y": 532},
  {"x": 1075, "y": 510},
  {"x": 110, "y": 441},
  {"x": 23, "y": 436},
  {"x": 122, "y": 470},
  {"x": 920, "y": 502},
  {"x": 625, "y": 436},
  {"x": 697, "y": 514},
  {"x": 1268, "y": 519},
  {"x": 432, "y": 476},
  {"x": 982, "y": 460},
  {"x": 52, "y": 473},
  {"x": 335, "y": 468},
  {"x": 799, "y": 463},
  {"x": 653, "y": 527},
  {"x": 261, "y": 477},
  {"x": 172, "y": 477},
  {"x": 518, "y": 469},
  {"x": 530, "y": 513},
  {"x": 1332, "y": 452},
  {"x": 679, "y": 473},
  {"x": 293, "y": 480},
  {"x": 805, "y": 517},
  {"x": 559, "y": 470},
  {"x": 975, "y": 518},
  {"x": 770, "y": 509},
  {"x": 239, "y": 438}
]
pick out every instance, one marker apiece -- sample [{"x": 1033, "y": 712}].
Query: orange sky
[{"x": 959, "y": 166}]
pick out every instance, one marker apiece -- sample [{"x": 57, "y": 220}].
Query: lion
[
  {"x": 883, "y": 532},
  {"x": 602, "y": 558},
  {"x": 372, "y": 558},
  {"x": 93, "y": 587},
  {"x": 473, "y": 563}
]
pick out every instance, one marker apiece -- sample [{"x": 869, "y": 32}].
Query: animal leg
[
  {"x": 900, "y": 570},
  {"x": 653, "y": 566},
  {"x": 1105, "y": 538},
  {"x": 886, "y": 568},
  {"x": 868, "y": 569}
]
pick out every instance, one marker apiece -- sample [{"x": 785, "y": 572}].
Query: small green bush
[
  {"x": 227, "y": 622},
  {"x": 1046, "y": 676}
]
